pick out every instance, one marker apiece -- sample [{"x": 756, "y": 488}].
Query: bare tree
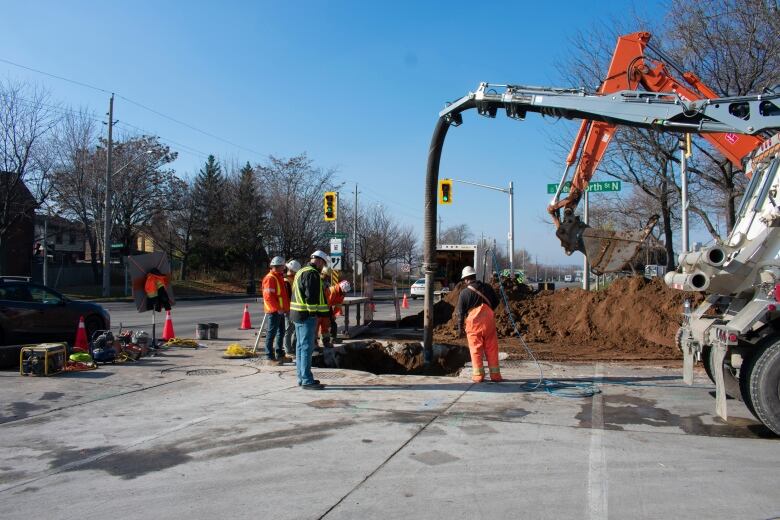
[
  {"x": 734, "y": 47},
  {"x": 140, "y": 185},
  {"x": 171, "y": 228},
  {"x": 293, "y": 189},
  {"x": 77, "y": 183},
  {"x": 27, "y": 123},
  {"x": 460, "y": 234}
]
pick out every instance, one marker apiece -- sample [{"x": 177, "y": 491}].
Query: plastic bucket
[
  {"x": 202, "y": 331},
  {"x": 213, "y": 330}
]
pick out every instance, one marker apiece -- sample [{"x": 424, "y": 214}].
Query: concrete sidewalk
[{"x": 189, "y": 434}]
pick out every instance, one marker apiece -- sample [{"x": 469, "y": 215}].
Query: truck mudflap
[{"x": 718, "y": 356}]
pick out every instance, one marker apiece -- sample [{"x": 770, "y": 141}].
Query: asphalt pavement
[
  {"x": 191, "y": 435},
  {"x": 225, "y": 312}
]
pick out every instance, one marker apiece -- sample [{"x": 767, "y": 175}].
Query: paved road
[
  {"x": 191, "y": 435},
  {"x": 227, "y": 313}
]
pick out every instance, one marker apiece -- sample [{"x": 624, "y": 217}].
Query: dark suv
[{"x": 33, "y": 313}]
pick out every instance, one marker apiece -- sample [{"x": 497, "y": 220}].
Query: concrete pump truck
[{"x": 735, "y": 331}]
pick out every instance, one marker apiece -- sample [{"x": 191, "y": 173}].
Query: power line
[{"x": 138, "y": 104}]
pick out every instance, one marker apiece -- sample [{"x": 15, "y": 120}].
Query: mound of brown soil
[{"x": 632, "y": 319}]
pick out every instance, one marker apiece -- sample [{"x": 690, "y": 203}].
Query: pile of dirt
[{"x": 634, "y": 319}]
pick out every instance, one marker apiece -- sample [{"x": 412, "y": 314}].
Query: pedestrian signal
[
  {"x": 445, "y": 191},
  {"x": 330, "y": 203}
]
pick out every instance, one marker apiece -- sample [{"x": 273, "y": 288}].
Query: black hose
[{"x": 429, "y": 226}]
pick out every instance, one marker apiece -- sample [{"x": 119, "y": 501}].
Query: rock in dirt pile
[{"x": 633, "y": 319}]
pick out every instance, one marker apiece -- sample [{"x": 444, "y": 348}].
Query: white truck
[
  {"x": 736, "y": 330},
  {"x": 452, "y": 258}
]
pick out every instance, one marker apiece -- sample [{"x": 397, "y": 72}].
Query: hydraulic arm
[
  {"x": 663, "y": 111},
  {"x": 628, "y": 70}
]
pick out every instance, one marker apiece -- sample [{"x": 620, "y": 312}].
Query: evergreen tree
[
  {"x": 209, "y": 223},
  {"x": 247, "y": 217}
]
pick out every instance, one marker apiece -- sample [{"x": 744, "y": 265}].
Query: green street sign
[
  {"x": 592, "y": 187},
  {"x": 335, "y": 235},
  {"x": 117, "y": 246}
]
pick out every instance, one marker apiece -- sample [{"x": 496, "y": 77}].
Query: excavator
[
  {"x": 629, "y": 69},
  {"x": 735, "y": 331}
]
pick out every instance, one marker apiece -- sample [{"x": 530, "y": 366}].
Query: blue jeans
[
  {"x": 275, "y": 332},
  {"x": 305, "y": 332}
]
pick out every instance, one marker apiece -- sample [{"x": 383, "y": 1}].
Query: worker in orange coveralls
[
  {"x": 335, "y": 295},
  {"x": 475, "y": 307}
]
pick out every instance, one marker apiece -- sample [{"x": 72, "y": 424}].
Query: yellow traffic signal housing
[
  {"x": 445, "y": 191},
  {"x": 330, "y": 202}
]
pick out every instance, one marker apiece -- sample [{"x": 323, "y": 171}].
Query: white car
[{"x": 418, "y": 289}]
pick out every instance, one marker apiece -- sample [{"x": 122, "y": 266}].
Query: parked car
[
  {"x": 418, "y": 289},
  {"x": 34, "y": 313}
]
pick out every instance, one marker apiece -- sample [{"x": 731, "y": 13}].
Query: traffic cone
[
  {"x": 405, "y": 303},
  {"x": 168, "y": 328},
  {"x": 246, "y": 323},
  {"x": 81, "y": 337}
]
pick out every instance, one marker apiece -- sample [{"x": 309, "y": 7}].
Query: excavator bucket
[{"x": 607, "y": 251}]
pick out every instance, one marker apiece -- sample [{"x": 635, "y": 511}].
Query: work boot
[{"x": 495, "y": 375}]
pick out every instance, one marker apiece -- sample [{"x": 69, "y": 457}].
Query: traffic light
[
  {"x": 445, "y": 191},
  {"x": 330, "y": 202}
]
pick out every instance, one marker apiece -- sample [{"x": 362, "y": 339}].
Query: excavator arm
[
  {"x": 628, "y": 70},
  {"x": 664, "y": 111}
]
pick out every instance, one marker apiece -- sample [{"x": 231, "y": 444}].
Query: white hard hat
[
  {"x": 276, "y": 261},
  {"x": 345, "y": 286},
  {"x": 294, "y": 266},
  {"x": 468, "y": 271},
  {"x": 321, "y": 255}
]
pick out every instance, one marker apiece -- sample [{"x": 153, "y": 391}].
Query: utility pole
[
  {"x": 107, "y": 222},
  {"x": 585, "y": 264},
  {"x": 438, "y": 237},
  {"x": 684, "y": 189},
  {"x": 45, "y": 249},
  {"x": 512, "y": 230},
  {"x": 355, "y": 243}
]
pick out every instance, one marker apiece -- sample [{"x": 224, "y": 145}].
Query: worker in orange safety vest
[
  {"x": 475, "y": 307},
  {"x": 276, "y": 303},
  {"x": 327, "y": 324}
]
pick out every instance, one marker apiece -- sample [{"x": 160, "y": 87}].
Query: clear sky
[{"x": 355, "y": 84}]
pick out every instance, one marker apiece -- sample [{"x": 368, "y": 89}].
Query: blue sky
[{"x": 356, "y": 85}]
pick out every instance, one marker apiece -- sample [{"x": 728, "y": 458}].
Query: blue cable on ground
[{"x": 557, "y": 388}]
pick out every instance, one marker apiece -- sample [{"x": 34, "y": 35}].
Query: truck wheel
[
  {"x": 765, "y": 387},
  {"x": 706, "y": 352},
  {"x": 744, "y": 381}
]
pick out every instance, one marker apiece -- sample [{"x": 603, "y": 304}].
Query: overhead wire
[{"x": 138, "y": 104}]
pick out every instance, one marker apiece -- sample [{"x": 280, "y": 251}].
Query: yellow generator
[{"x": 45, "y": 359}]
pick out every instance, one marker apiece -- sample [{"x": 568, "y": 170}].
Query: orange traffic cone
[
  {"x": 405, "y": 303},
  {"x": 81, "y": 337},
  {"x": 246, "y": 323},
  {"x": 168, "y": 328}
]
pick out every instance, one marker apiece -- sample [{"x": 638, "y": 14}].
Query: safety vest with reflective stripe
[
  {"x": 299, "y": 304},
  {"x": 275, "y": 298}
]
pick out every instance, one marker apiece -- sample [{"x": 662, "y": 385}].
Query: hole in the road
[{"x": 393, "y": 358}]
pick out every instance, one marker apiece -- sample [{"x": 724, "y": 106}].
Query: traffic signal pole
[{"x": 511, "y": 236}]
